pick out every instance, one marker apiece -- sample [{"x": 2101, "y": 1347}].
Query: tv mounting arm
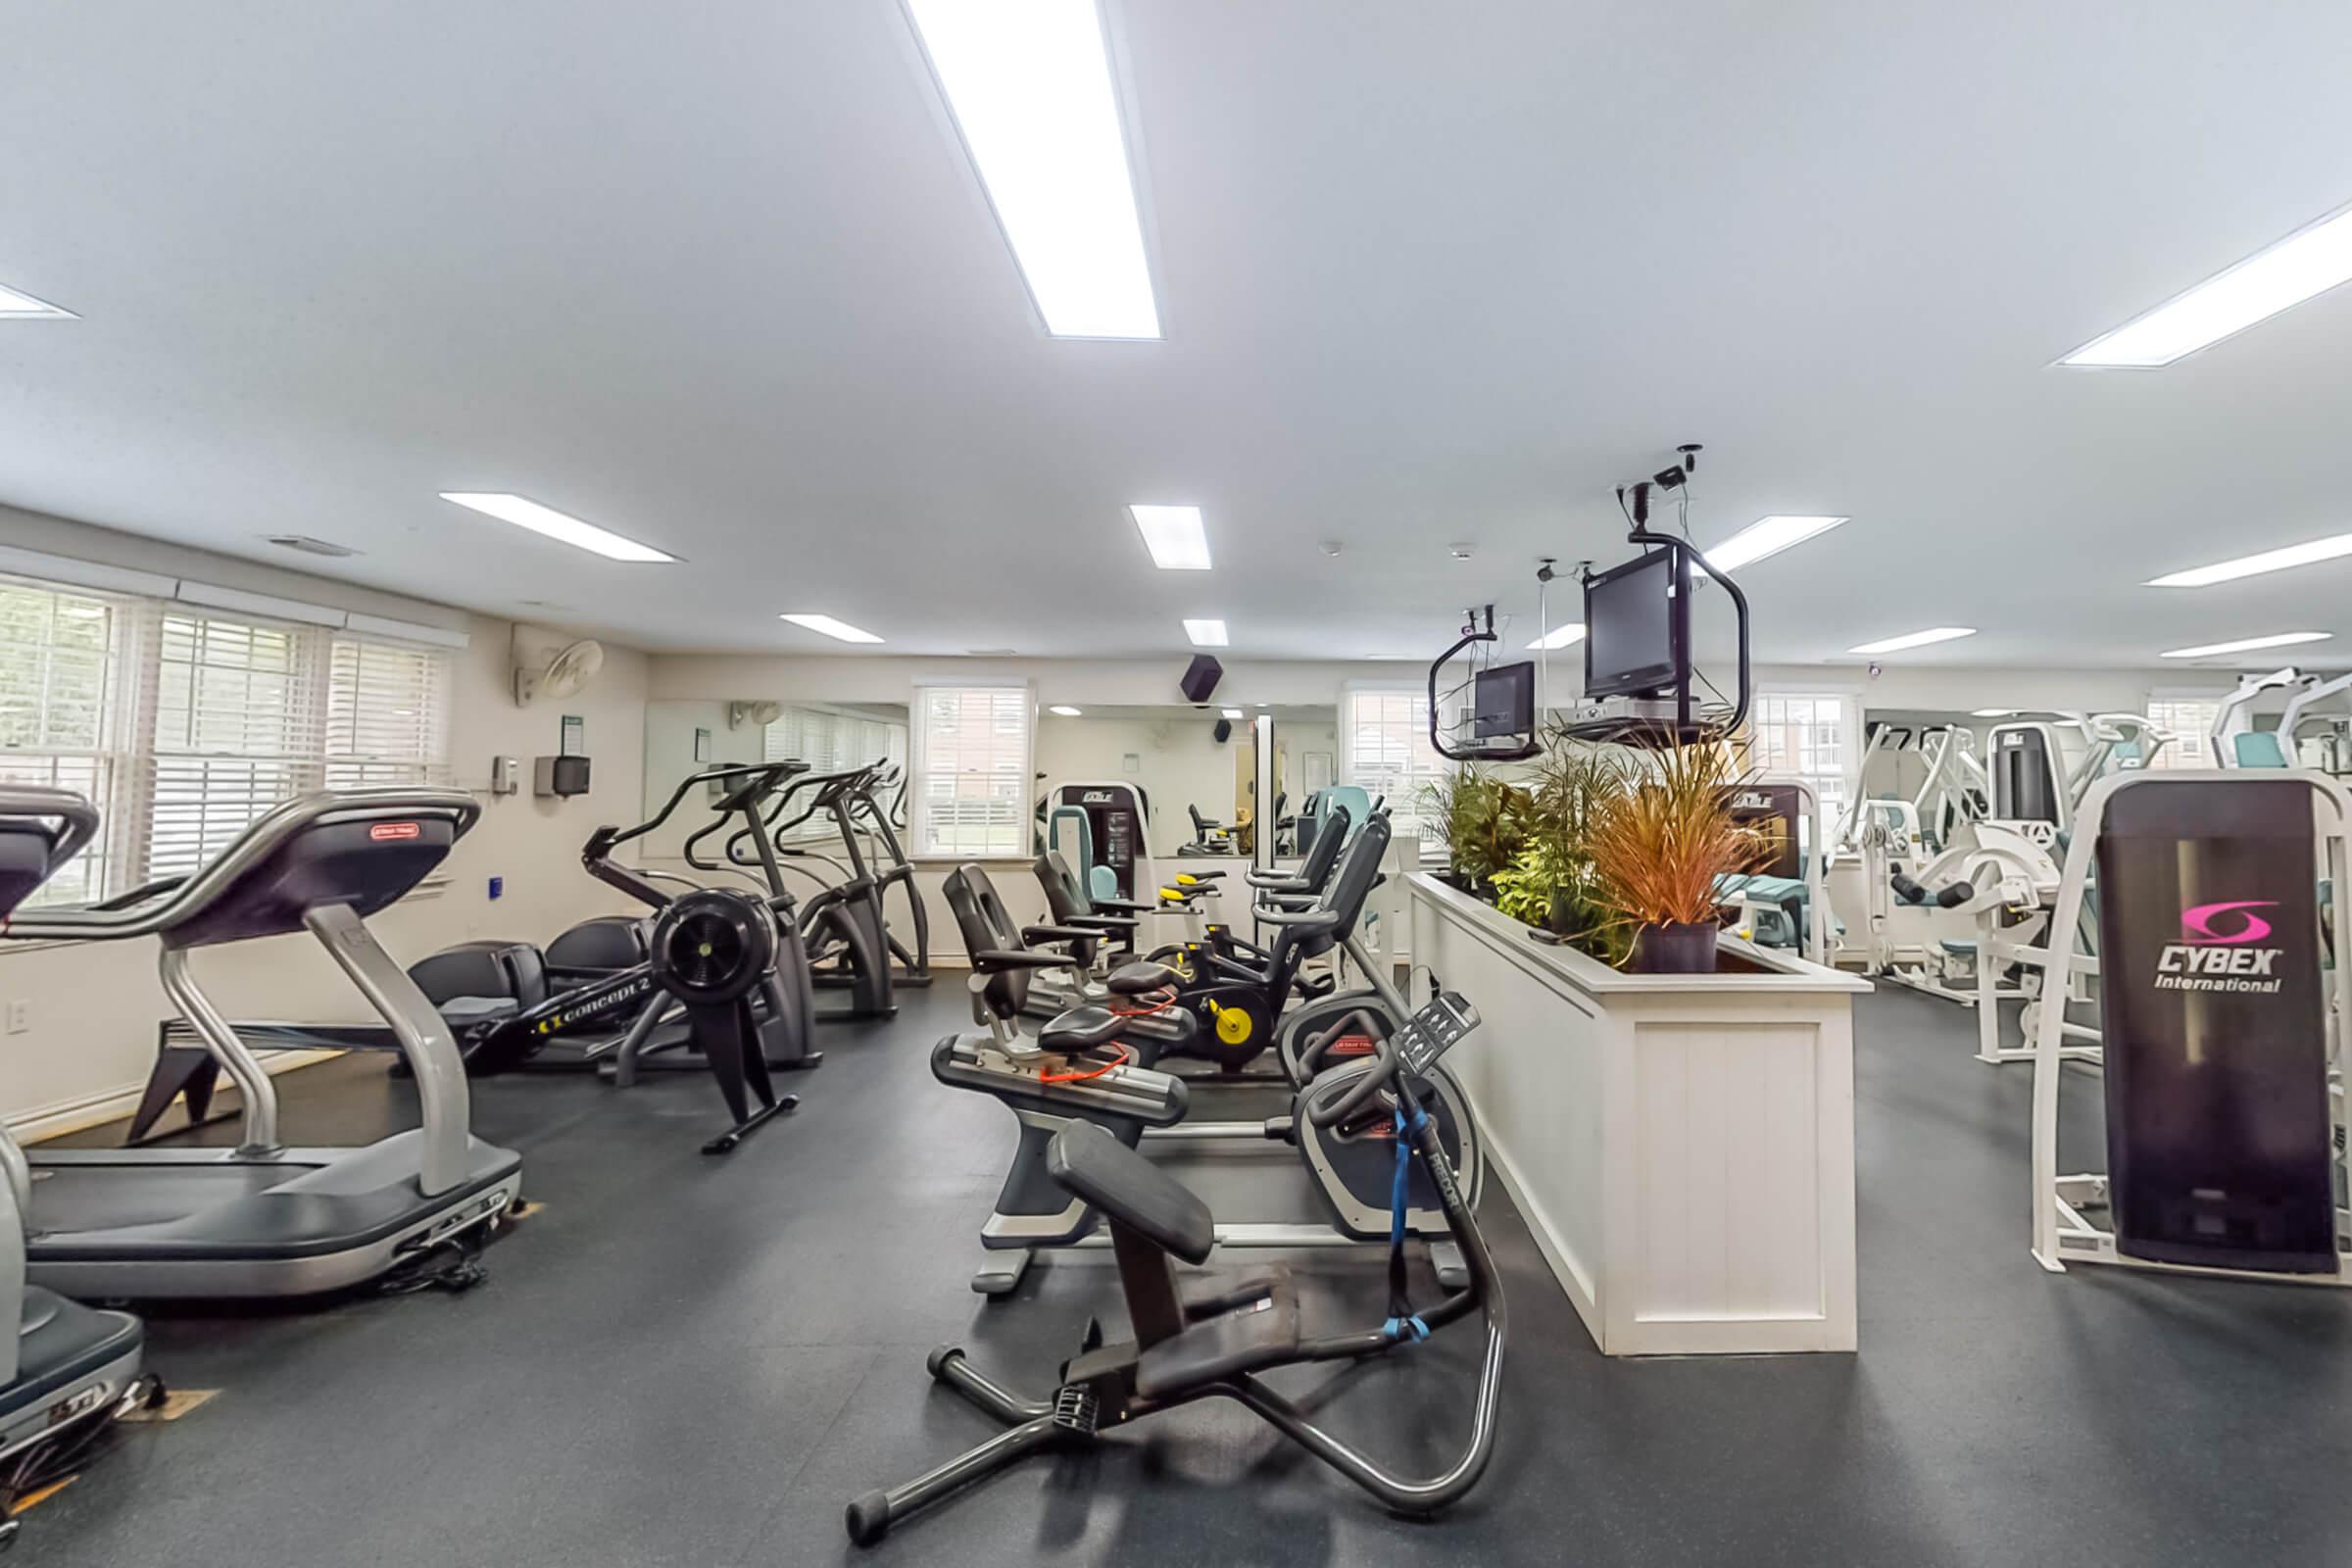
[{"x": 1473, "y": 632}]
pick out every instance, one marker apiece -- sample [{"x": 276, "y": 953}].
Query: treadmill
[
  {"x": 61, "y": 1365},
  {"x": 265, "y": 1220}
]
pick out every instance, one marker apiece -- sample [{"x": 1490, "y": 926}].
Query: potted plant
[
  {"x": 1658, "y": 847},
  {"x": 1484, "y": 822},
  {"x": 1549, "y": 884}
]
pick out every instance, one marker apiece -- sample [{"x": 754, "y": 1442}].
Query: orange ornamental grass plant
[{"x": 1659, "y": 847}]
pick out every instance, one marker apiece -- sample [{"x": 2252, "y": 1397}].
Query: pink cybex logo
[{"x": 2197, "y": 923}]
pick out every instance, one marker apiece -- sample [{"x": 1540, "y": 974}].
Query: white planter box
[{"x": 1682, "y": 1146}]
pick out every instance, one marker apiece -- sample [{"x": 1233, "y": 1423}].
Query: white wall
[
  {"x": 1073, "y": 681},
  {"x": 93, "y": 1007},
  {"x": 1957, "y": 689}
]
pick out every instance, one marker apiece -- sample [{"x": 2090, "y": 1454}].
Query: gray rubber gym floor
[{"x": 697, "y": 1361}]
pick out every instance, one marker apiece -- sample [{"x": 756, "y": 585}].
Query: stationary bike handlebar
[{"x": 1381, "y": 1074}]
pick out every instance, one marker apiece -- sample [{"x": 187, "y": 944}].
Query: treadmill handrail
[
  {"x": 182, "y": 903},
  {"x": 76, "y": 818}
]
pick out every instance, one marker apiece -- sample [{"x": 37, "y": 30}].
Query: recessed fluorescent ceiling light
[
  {"x": 1030, "y": 88},
  {"x": 2302, "y": 555},
  {"x": 1767, "y": 536},
  {"x": 1559, "y": 637},
  {"x": 1992, "y": 712},
  {"x": 1229, "y": 713},
  {"x": 2246, "y": 645},
  {"x": 1913, "y": 639},
  {"x": 1206, "y": 633},
  {"x": 831, "y": 627},
  {"x": 2304, "y": 264},
  {"x": 1065, "y": 712},
  {"x": 527, "y": 514},
  {"x": 25, "y": 307},
  {"x": 1174, "y": 536}
]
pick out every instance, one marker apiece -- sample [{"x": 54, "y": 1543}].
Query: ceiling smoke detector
[
  {"x": 310, "y": 545},
  {"x": 1458, "y": 552}
]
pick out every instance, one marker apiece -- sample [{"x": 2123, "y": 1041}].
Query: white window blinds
[
  {"x": 1805, "y": 735},
  {"x": 1384, "y": 751},
  {"x": 183, "y": 724},
  {"x": 235, "y": 726},
  {"x": 61, "y": 710},
  {"x": 387, "y": 714},
  {"x": 2189, "y": 722},
  {"x": 972, "y": 770},
  {"x": 831, "y": 742}
]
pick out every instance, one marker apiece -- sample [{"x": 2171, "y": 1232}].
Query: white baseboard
[{"x": 113, "y": 1104}]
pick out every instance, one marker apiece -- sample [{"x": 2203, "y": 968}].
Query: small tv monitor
[
  {"x": 1503, "y": 702},
  {"x": 1629, "y": 628}
]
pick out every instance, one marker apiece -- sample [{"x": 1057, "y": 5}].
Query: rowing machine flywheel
[{"x": 713, "y": 946}]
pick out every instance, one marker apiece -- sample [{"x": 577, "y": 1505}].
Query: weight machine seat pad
[
  {"x": 1133, "y": 1192},
  {"x": 1257, "y": 1334},
  {"x": 1135, "y": 979},
  {"x": 1081, "y": 1028},
  {"x": 1959, "y": 946}
]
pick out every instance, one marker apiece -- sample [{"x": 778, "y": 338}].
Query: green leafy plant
[
  {"x": 1484, "y": 821},
  {"x": 1549, "y": 884}
]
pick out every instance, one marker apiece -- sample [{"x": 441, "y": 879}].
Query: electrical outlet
[{"x": 20, "y": 1017}]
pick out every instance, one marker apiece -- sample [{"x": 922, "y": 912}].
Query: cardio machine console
[{"x": 1435, "y": 1030}]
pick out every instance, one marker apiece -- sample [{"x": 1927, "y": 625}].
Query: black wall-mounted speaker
[
  {"x": 1223, "y": 731},
  {"x": 1200, "y": 678}
]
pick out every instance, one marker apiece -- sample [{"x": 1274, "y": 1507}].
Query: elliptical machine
[{"x": 841, "y": 925}]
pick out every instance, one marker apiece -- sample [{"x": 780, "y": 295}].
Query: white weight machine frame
[
  {"x": 2301, "y": 705},
  {"x": 2222, "y": 741}
]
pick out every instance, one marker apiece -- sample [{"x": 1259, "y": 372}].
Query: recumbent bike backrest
[{"x": 985, "y": 926}]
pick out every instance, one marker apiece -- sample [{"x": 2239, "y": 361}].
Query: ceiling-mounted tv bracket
[
  {"x": 1649, "y": 703},
  {"x": 1501, "y": 714},
  {"x": 1665, "y": 481}
]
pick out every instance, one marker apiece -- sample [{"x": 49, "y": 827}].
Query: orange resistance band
[
  {"x": 1167, "y": 1001},
  {"x": 1124, "y": 1058}
]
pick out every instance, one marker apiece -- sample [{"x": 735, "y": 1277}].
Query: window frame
[
  {"x": 148, "y": 685},
  {"x": 1405, "y": 808},
  {"x": 2188, "y": 750},
  {"x": 1834, "y": 788},
  {"x": 921, "y": 848}
]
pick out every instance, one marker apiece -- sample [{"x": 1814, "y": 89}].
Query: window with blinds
[
  {"x": 60, "y": 711},
  {"x": 1803, "y": 735},
  {"x": 235, "y": 732},
  {"x": 2189, "y": 720},
  {"x": 387, "y": 714},
  {"x": 1384, "y": 751},
  {"x": 831, "y": 741},
  {"x": 972, "y": 770},
  {"x": 183, "y": 724}
]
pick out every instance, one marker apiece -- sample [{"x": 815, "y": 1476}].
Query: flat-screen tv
[
  {"x": 1502, "y": 701},
  {"x": 1629, "y": 628}
]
